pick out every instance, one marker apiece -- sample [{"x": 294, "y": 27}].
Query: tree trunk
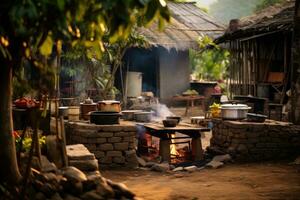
[{"x": 9, "y": 171}]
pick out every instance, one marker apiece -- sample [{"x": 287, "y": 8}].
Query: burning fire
[{"x": 173, "y": 150}]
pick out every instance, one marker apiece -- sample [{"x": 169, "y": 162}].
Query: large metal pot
[
  {"x": 109, "y": 106},
  {"x": 129, "y": 114},
  {"x": 234, "y": 111},
  {"x": 143, "y": 116},
  {"x": 104, "y": 118}
]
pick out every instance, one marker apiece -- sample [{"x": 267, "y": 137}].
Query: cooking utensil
[
  {"x": 253, "y": 117},
  {"x": 129, "y": 114},
  {"x": 174, "y": 117},
  {"x": 234, "y": 111},
  {"x": 104, "y": 118},
  {"x": 170, "y": 122},
  {"x": 86, "y": 108},
  {"x": 109, "y": 106},
  {"x": 143, "y": 116}
]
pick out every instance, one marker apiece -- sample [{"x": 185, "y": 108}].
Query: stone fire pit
[
  {"x": 111, "y": 144},
  {"x": 249, "y": 141}
]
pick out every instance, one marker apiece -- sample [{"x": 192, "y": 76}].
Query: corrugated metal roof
[{"x": 188, "y": 22}]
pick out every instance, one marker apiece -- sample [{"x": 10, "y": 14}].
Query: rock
[
  {"x": 56, "y": 196},
  {"x": 75, "y": 188},
  {"x": 177, "y": 169},
  {"x": 297, "y": 161},
  {"x": 121, "y": 190},
  {"x": 214, "y": 164},
  {"x": 85, "y": 165},
  {"x": 74, "y": 174},
  {"x": 222, "y": 158},
  {"x": 163, "y": 167},
  {"x": 141, "y": 161},
  {"x": 46, "y": 165},
  {"x": 105, "y": 189},
  {"x": 114, "y": 153},
  {"x": 150, "y": 164},
  {"x": 190, "y": 168},
  {"x": 172, "y": 167},
  {"x": 71, "y": 197},
  {"x": 91, "y": 195},
  {"x": 79, "y": 152},
  {"x": 119, "y": 159},
  {"x": 48, "y": 189},
  {"x": 40, "y": 196},
  {"x": 35, "y": 163},
  {"x": 114, "y": 139},
  {"x": 106, "y": 147}
]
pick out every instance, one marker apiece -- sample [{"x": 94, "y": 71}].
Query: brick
[
  {"x": 100, "y": 140},
  {"x": 106, "y": 160},
  {"x": 114, "y": 128},
  {"x": 91, "y": 147},
  {"x": 114, "y": 139},
  {"x": 128, "y": 139},
  {"x": 119, "y": 159},
  {"x": 132, "y": 134},
  {"x": 99, "y": 154},
  {"x": 129, "y": 128},
  {"x": 105, "y": 147},
  {"x": 114, "y": 153},
  {"x": 105, "y": 134},
  {"x": 121, "y": 134},
  {"x": 122, "y": 146}
]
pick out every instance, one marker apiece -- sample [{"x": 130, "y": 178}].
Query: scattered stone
[
  {"x": 40, "y": 196},
  {"x": 141, "y": 161},
  {"x": 222, "y": 158},
  {"x": 150, "y": 164},
  {"x": 85, "y": 165},
  {"x": 79, "y": 152},
  {"x": 91, "y": 195},
  {"x": 46, "y": 165},
  {"x": 162, "y": 167},
  {"x": 121, "y": 190},
  {"x": 297, "y": 161},
  {"x": 214, "y": 164},
  {"x": 74, "y": 174},
  {"x": 177, "y": 169},
  {"x": 53, "y": 150},
  {"x": 56, "y": 196},
  {"x": 172, "y": 167},
  {"x": 190, "y": 168}
]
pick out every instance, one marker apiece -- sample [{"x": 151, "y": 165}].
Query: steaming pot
[{"x": 109, "y": 106}]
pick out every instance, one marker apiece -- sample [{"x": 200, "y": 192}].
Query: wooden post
[
  {"x": 197, "y": 148},
  {"x": 164, "y": 149}
]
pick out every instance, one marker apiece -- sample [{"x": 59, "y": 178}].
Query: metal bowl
[{"x": 170, "y": 122}]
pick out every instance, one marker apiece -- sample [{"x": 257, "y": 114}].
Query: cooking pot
[
  {"x": 129, "y": 114},
  {"x": 143, "y": 116},
  {"x": 104, "y": 118},
  {"x": 109, "y": 106},
  {"x": 234, "y": 111}
]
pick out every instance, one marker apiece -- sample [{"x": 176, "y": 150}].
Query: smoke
[{"x": 161, "y": 112}]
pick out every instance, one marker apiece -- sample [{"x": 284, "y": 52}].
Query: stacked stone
[
  {"x": 111, "y": 144},
  {"x": 248, "y": 141}
]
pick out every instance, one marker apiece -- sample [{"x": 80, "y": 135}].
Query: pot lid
[
  {"x": 109, "y": 101},
  {"x": 234, "y": 106},
  {"x": 131, "y": 111}
]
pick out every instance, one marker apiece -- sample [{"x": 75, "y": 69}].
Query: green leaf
[
  {"x": 61, "y": 4},
  {"x": 46, "y": 47}
]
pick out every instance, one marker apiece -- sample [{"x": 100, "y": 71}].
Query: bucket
[
  {"x": 134, "y": 84},
  {"x": 74, "y": 112}
]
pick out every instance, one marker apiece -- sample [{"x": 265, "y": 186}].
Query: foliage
[
  {"x": 210, "y": 62},
  {"x": 99, "y": 72},
  {"x": 26, "y": 143},
  {"x": 266, "y": 3}
]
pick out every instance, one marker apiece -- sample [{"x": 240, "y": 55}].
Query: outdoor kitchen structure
[
  {"x": 260, "y": 46},
  {"x": 164, "y": 66}
]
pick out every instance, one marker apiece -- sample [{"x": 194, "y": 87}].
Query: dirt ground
[{"x": 233, "y": 181}]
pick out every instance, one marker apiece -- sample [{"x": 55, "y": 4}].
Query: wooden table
[
  {"x": 165, "y": 135},
  {"x": 190, "y": 101}
]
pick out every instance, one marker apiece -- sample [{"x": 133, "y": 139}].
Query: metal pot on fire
[
  {"x": 234, "y": 111},
  {"x": 143, "y": 116},
  {"x": 129, "y": 114},
  {"x": 109, "y": 106}
]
